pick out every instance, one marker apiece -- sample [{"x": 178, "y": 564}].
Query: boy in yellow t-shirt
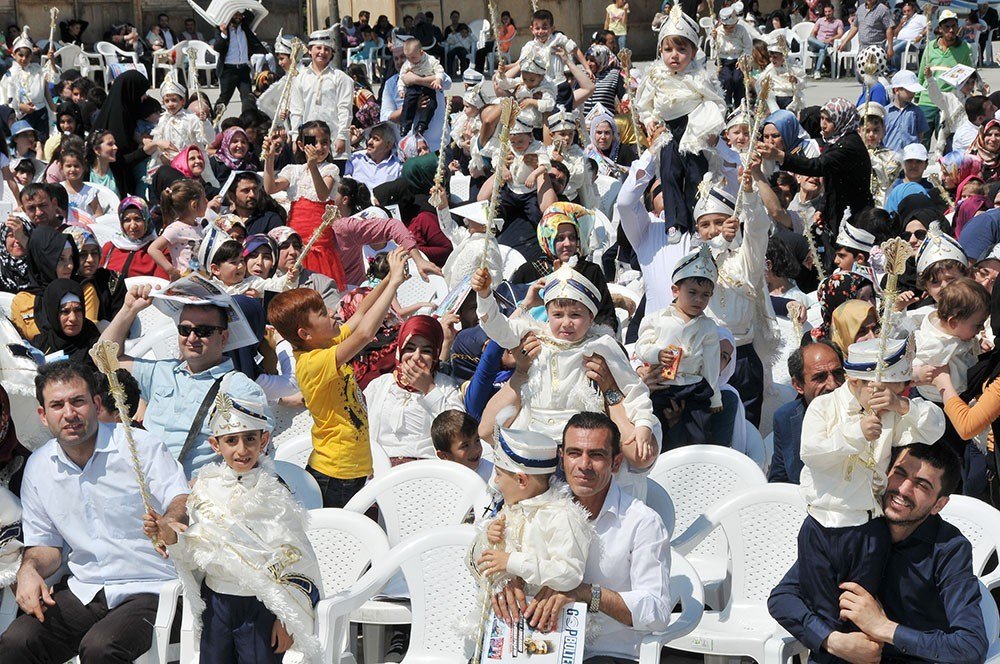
[{"x": 341, "y": 460}]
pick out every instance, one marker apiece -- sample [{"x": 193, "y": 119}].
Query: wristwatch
[
  {"x": 613, "y": 397},
  {"x": 595, "y": 599}
]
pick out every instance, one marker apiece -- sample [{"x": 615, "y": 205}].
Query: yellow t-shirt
[
  {"x": 617, "y": 19},
  {"x": 340, "y": 421}
]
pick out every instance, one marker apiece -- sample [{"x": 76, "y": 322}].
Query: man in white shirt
[
  {"x": 191, "y": 31},
  {"x": 163, "y": 31},
  {"x": 911, "y": 30},
  {"x": 80, "y": 496},
  {"x": 235, "y": 43},
  {"x": 321, "y": 92},
  {"x": 626, "y": 584}
]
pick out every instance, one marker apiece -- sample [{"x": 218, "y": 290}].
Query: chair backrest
[
  {"x": 205, "y": 56},
  {"x": 801, "y": 33},
  {"x": 70, "y": 56},
  {"x": 420, "y": 495},
  {"x": 6, "y": 299},
  {"x": 980, "y": 523},
  {"x": 107, "y": 51},
  {"x": 290, "y": 424},
  {"x": 295, "y": 451},
  {"x": 304, "y": 488},
  {"x": 345, "y": 543},
  {"x": 658, "y": 499},
  {"x": 755, "y": 446},
  {"x": 108, "y": 199},
  {"x": 697, "y": 477},
  {"x": 761, "y": 526},
  {"x": 443, "y": 594}
]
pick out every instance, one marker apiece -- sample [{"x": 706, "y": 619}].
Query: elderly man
[
  {"x": 626, "y": 584},
  {"x": 81, "y": 498},
  {"x": 378, "y": 163},
  {"x": 874, "y": 26},
  {"x": 179, "y": 393},
  {"x": 929, "y": 595},
  {"x": 815, "y": 369}
]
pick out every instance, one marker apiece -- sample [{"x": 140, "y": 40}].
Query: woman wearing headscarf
[
  {"x": 63, "y": 328},
  {"x": 782, "y": 129},
  {"x": 109, "y": 286},
  {"x": 13, "y": 262},
  {"x": 987, "y": 148},
  {"x": 411, "y": 191},
  {"x": 853, "y": 321},
  {"x": 189, "y": 163},
  {"x": 845, "y": 165},
  {"x": 413, "y": 394},
  {"x": 836, "y": 289},
  {"x": 606, "y": 148},
  {"x": 120, "y": 116},
  {"x": 128, "y": 251},
  {"x": 562, "y": 234},
  {"x": 13, "y": 455},
  {"x": 232, "y": 153},
  {"x": 609, "y": 84},
  {"x": 956, "y": 168},
  {"x": 51, "y": 255},
  {"x": 968, "y": 205}
]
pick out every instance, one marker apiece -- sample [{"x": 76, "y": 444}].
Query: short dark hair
[
  {"x": 699, "y": 281},
  {"x": 63, "y": 371},
  {"x": 940, "y": 456},
  {"x": 783, "y": 262},
  {"x": 227, "y": 251},
  {"x": 32, "y": 190},
  {"x": 223, "y": 314},
  {"x": 975, "y": 106},
  {"x": 543, "y": 15},
  {"x": 452, "y": 424},
  {"x": 128, "y": 383},
  {"x": 591, "y": 421},
  {"x": 797, "y": 362}
]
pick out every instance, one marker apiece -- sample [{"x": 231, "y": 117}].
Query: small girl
[
  {"x": 103, "y": 151},
  {"x": 69, "y": 121},
  {"x": 309, "y": 185},
  {"x": 681, "y": 93},
  {"x": 222, "y": 260},
  {"x": 185, "y": 203},
  {"x": 83, "y": 202}
]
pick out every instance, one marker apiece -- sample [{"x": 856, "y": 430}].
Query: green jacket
[{"x": 940, "y": 60}]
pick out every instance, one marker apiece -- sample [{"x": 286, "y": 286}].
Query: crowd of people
[{"x": 624, "y": 261}]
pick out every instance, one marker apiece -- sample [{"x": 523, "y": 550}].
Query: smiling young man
[{"x": 928, "y": 604}]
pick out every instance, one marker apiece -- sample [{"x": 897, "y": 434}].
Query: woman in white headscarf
[{"x": 606, "y": 148}]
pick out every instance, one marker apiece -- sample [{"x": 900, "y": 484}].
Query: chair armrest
[
  {"x": 687, "y": 587},
  {"x": 991, "y": 580},
  {"x": 170, "y": 593},
  {"x": 333, "y": 613},
  {"x": 694, "y": 535}
]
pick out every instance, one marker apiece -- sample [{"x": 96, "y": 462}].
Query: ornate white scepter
[
  {"x": 625, "y": 58},
  {"x": 507, "y": 118},
  {"x": 298, "y": 48},
  {"x": 439, "y": 173},
  {"x": 814, "y": 250},
  {"x": 495, "y": 24},
  {"x": 755, "y": 128},
  {"x": 50, "y": 71},
  {"x": 105, "y": 356},
  {"x": 896, "y": 251},
  {"x": 329, "y": 216}
]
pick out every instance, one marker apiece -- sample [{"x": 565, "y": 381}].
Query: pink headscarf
[{"x": 180, "y": 162}]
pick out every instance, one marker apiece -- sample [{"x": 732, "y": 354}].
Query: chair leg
[{"x": 374, "y": 645}]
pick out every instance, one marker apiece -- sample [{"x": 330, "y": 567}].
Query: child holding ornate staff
[{"x": 24, "y": 89}]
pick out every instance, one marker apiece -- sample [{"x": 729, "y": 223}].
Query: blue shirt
[
  {"x": 391, "y": 103},
  {"x": 174, "y": 395},
  {"x": 979, "y": 234},
  {"x": 363, "y": 168},
  {"x": 928, "y": 587},
  {"x": 95, "y": 512},
  {"x": 903, "y": 126}
]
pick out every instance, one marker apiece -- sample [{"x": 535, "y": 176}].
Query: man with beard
[
  {"x": 929, "y": 608},
  {"x": 815, "y": 369},
  {"x": 247, "y": 201}
]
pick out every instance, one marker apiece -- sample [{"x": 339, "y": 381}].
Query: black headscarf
[
  {"x": 50, "y": 337},
  {"x": 245, "y": 358},
  {"x": 13, "y": 271},
  {"x": 45, "y": 246},
  {"x": 120, "y": 116}
]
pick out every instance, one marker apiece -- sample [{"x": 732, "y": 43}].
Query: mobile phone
[{"x": 308, "y": 140}]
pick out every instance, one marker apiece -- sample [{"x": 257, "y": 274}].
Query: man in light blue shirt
[
  {"x": 80, "y": 496},
  {"x": 392, "y": 105},
  {"x": 378, "y": 164},
  {"x": 176, "y": 390}
]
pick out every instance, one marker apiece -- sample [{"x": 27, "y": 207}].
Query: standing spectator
[
  {"x": 912, "y": 30},
  {"x": 191, "y": 32},
  {"x": 988, "y": 15},
  {"x": 941, "y": 55},
  {"x": 235, "y": 43},
  {"x": 873, "y": 26},
  {"x": 162, "y": 32},
  {"x": 616, "y": 20},
  {"x": 827, "y": 30}
]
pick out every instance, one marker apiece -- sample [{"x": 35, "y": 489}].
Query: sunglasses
[
  {"x": 200, "y": 331},
  {"x": 919, "y": 234}
]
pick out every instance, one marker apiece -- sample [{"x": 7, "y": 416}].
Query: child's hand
[
  {"x": 493, "y": 561},
  {"x": 871, "y": 427},
  {"x": 729, "y": 228},
  {"x": 525, "y": 354},
  {"x": 156, "y": 528},
  {"x": 666, "y": 357},
  {"x": 495, "y": 531},
  {"x": 924, "y": 374},
  {"x": 645, "y": 451},
  {"x": 482, "y": 282},
  {"x": 905, "y": 299},
  {"x": 281, "y": 640},
  {"x": 883, "y": 400},
  {"x": 715, "y": 409},
  {"x": 312, "y": 154},
  {"x": 527, "y": 103},
  {"x": 448, "y": 323},
  {"x": 397, "y": 265},
  {"x": 436, "y": 84}
]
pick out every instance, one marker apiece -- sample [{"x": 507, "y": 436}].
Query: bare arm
[
  {"x": 33, "y": 594},
  {"x": 156, "y": 253},
  {"x": 369, "y": 324},
  {"x": 272, "y": 183},
  {"x": 136, "y": 300}
]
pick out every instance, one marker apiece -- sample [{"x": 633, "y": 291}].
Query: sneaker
[{"x": 817, "y": 75}]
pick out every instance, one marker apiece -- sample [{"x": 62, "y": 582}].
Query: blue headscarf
[
  {"x": 245, "y": 358},
  {"x": 792, "y": 134}
]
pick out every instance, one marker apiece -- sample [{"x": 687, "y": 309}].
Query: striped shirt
[
  {"x": 873, "y": 23},
  {"x": 607, "y": 90}
]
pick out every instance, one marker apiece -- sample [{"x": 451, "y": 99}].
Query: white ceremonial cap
[
  {"x": 713, "y": 199},
  {"x": 731, "y": 14},
  {"x": 568, "y": 284},
  {"x": 172, "y": 86},
  {"x": 562, "y": 121},
  {"x": 215, "y": 237},
  {"x": 522, "y": 125},
  {"x": 322, "y": 38},
  {"x": 230, "y": 415},
  {"x": 534, "y": 65},
  {"x": 23, "y": 40},
  {"x": 528, "y": 452},
  {"x": 282, "y": 44},
  {"x": 699, "y": 263},
  {"x": 854, "y": 238},
  {"x": 862, "y": 358},
  {"x": 480, "y": 95},
  {"x": 471, "y": 77},
  {"x": 679, "y": 24},
  {"x": 938, "y": 246},
  {"x": 871, "y": 108}
]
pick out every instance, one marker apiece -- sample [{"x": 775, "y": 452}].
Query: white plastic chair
[
  {"x": 800, "y": 35},
  {"x": 295, "y": 451},
  {"x": 303, "y": 486},
  {"x": 911, "y": 55},
  {"x": 71, "y": 56},
  {"x": 112, "y": 55},
  {"x": 205, "y": 60},
  {"x": 107, "y": 199},
  {"x": 6, "y": 299},
  {"x": 991, "y": 621},
  {"x": 697, "y": 477},
  {"x": 443, "y": 594},
  {"x": 290, "y": 424},
  {"x": 169, "y": 59},
  {"x": 845, "y": 56},
  {"x": 659, "y": 501},
  {"x": 685, "y": 587},
  {"x": 980, "y": 523},
  {"x": 755, "y": 448},
  {"x": 761, "y": 526}
]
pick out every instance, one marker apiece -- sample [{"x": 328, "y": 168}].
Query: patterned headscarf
[
  {"x": 836, "y": 289},
  {"x": 124, "y": 242},
  {"x": 224, "y": 155},
  {"x": 604, "y": 58},
  {"x": 13, "y": 271},
  {"x": 958, "y": 166},
  {"x": 843, "y": 115},
  {"x": 564, "y": 213}
]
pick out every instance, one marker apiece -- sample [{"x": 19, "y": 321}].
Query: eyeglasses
[
  {"x": 919, "y": 234},
  {"x": 200, "y": 331}
]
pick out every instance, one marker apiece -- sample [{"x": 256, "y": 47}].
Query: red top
[
  {"x": 431, "y": 240},
  {"x": 142, "y": 264}
]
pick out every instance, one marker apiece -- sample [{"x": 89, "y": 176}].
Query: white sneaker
[{"x": 817, "y": 75}]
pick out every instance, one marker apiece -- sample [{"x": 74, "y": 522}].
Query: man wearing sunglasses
[{"x": 178, "y": 392}]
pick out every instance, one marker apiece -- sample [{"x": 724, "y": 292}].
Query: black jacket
[{"x": 221, "y": 46}]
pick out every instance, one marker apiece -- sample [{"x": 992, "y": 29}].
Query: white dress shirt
[
  {"x": 427, "y": 65},
  {"x": 647, "y": 234},
  {"x": 554, "y": 64},
  {"x": 400, "y": 420},
  {"x": 238, "y": 53},
  {"x": 520, "y": 169},
  {"x": 631, "y": 556},
  {"x": 937, "y": 348},
  {"x": 392, "y": 103},
  {"x": 182, "y": 129},
  {"x": 326, "y": 95},
  {"x": 95, "y": 513},
  {"x": 698, "y": 340},
  {"x": 844, "y": 474}
]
